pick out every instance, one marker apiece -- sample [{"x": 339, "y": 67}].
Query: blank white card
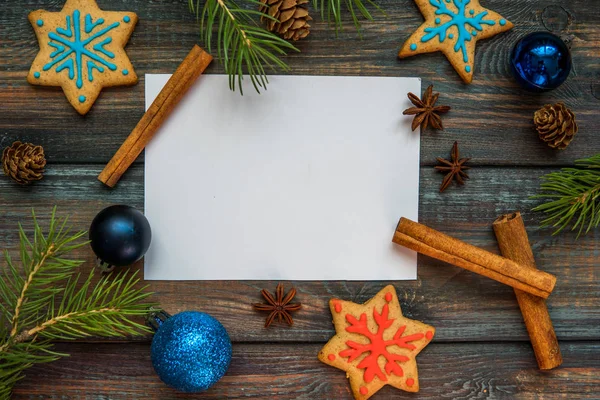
[{"x": 305, "y": 181}]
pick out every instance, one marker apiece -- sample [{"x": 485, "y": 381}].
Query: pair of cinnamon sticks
[{"x": 517, "y": 269}]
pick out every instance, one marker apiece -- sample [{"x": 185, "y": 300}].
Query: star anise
[
  {"x": 455, "y": 168},
  {"x": 279, "y": 306},
  {"x": 424, "y": 111}
]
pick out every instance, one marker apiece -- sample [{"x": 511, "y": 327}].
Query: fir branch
[
  {"x": 43, "y": 265},
  {"x": 242, "y": 44},
  {"x": 50, "y": 301},
  {"x": 18, "y": 358},
  {"x": 331, "y": 11},
  {"x": 574, "y": 197},
  {"x": 26, "y": 285}
]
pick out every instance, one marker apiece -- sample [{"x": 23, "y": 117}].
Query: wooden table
[{"x": 481, "y": 349}]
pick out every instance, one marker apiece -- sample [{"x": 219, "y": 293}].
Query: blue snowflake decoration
[
  {"x": 461, "y": 21},
  {"x": 76, "y": 46}
]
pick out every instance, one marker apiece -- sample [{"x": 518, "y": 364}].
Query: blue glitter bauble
[
  {"x": 191, "y": 351},
  {"x": 540, "y": 61}
]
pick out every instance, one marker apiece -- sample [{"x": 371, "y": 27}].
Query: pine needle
[
  {"x": 47, "y": 299},
  {"x": 331, "y": 11},
  {"x": 243, "y": 45},
  {"x": 574, "y": 197}
]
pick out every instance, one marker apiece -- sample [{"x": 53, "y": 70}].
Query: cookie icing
[
  {"x": 453, "y": 27},
  {"x": 378, "y": 346},
  {"x": 458, "y": 19},
  {"x": 79, "y": 47},
  {"x": 375, "y": 344},
  {"x": 89, "y": 25}
]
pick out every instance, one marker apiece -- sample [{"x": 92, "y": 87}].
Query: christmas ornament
[
  {"x": 82, "y": 51},
  {"x": 453, "y": 169},
  {"x": 375, "y": 344},
  {"x": 454, "y": 27},
  {"x": 23, "y": 162},
  {"x": 540, "y": 61},
  {"x": 279, "y": 305},
  {"x": 424, "y": 111},
  {"x": 45, "y": 297},
  {"x": 191, "y": 350},
  {"x": 120, "y": 235},
  {"x": 556, "y": 125},
  {"x": 290, "y": 18}
]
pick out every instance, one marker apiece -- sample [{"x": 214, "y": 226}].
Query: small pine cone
[
  {"x": 23, "y": 162},
  {"x": 556, "y": 125},
  {"x": 291, "y": 15}
]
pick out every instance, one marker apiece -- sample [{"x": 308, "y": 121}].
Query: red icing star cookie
[
  {"x": 82, "y": 50},
  {"x": 375, "y": 344},
  {"x": 454, "y": 27}
]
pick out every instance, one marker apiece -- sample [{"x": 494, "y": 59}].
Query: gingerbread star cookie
[
  {"x": 454, "y": 27},
  {"x": 82, "y": 50},
  {"x": 375, "y": 344}
]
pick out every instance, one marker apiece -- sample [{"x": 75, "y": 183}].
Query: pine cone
[
  {"x": 23, "y": 162},
  {"x": 556, "y": 125},
  {"x": 291, "y": 15}
]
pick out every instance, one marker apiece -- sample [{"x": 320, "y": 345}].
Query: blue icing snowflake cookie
[
  {"x": 82, "y": 51},
  {"x": 454, "y": 27}
]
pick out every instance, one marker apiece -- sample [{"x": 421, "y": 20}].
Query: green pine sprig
[
  {"x": 331, "y": 11},
  {"x": 574, "y": 197},
  {"x": 47, "y": 299},
  {"x": 243, "y": 45}
]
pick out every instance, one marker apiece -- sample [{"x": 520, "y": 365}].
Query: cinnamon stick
[
  {"x": 186, "y": 74},
  {"x": 514, "y": 244},
  {"x": 435, "y": 244}
]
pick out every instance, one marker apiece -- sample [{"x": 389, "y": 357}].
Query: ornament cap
[
  {"x": 104, "y": 266},
  {"x": 568, "y": 38},
  {"x": 156, "y": 318}
]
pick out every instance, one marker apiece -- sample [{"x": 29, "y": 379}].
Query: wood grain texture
[
  {"x": 481, "y": 348},
  {"x": 444, "y": 296},
  {"x": 457, "y": 371},
  {"x": 493, "y": 114}
]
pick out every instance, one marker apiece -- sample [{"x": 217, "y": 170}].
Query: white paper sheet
[{"x": 305, "y": 181}]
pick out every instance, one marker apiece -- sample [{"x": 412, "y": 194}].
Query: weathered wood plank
[
  {"x": 275, "y": 371},
  {"x": 492, "y": 120},
  {"x": 493, "y": 114},
  {"x": 462, "y": 305}
]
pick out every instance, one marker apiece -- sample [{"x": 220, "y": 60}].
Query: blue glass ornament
[
  {"x": 119, "y": 235},
  {"x": 540, "y": 61},
  {"x": 191, "y": 350}
]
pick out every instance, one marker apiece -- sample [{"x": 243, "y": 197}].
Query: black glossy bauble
[{"x": 120, "y": 235}]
